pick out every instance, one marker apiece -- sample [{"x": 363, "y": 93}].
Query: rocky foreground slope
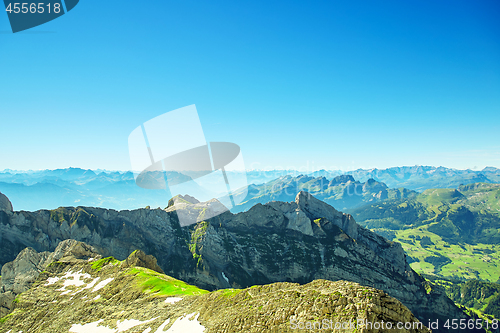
[
  {"x": 299, "y": 241},
  {"x": 79, "y": 291}
]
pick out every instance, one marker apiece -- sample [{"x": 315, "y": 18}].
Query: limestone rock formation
[
  {"x": 140, "y": 259},
  {"x": 20, "y": 274},
  {"x": 109, "y": 296},
  {"x": 5, "y": 203},
  {"x": 342, "y": 179},
  {"x": 299, "y": 241},
  {"x": 190, "y": 211}
]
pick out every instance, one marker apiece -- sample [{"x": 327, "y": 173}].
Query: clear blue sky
[{"x": 334, "y": 84}]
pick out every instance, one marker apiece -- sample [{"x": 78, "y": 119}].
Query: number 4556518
[{"x": 33, "y": 8}]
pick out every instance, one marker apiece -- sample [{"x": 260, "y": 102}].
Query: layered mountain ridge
[
  {"x": 342, "y": 191},
  {"x": 47, "y": 189},
  {"x": 74, "y": 289},
  {"x": 298, "y": 241}
]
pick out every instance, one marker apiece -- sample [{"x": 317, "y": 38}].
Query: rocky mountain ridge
[
  {"x": 82, "y": 292},
  {"x": 299, "y": 241},
  {"x": 343, "y": 192}
]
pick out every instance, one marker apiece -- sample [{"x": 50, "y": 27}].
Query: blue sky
[{"x": 316, "y": 84}]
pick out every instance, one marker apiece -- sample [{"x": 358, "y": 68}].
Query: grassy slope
[
  {"x": 477, "y": 297},
  {"x": 140, "y": 294},
  {"x": 446, "y": 232}
]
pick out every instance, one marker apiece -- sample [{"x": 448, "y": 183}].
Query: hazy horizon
[{"x": 264, "y": 170}]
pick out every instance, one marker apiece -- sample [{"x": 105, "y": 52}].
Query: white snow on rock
[
  {"x": 70, "y": 279},
  {"x": 187, "y": 324},
  {"x": 173, "y": 300},
  {"x": 88, "y": 286},
  {"x": 91, "y": 328},
  {"x": 225, "y": 277},
  {"x": 102, "y": 284},
  {"x": 129, "y": 323},
  {"x": 162, "y": 326},
  {"x": 76, "y": 279},
  {"x": 91, "y": 284},
  {"x": 96, "y": 298},
  {"x": 52, "y": 280},
  {"x": 182, "y": 325},
  {"x": 94, "y": 327}
]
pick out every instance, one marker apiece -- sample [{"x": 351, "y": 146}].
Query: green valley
[{"x": 444, "y": 232}]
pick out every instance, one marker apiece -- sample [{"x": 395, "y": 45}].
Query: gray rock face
[
  {"x": 298, "y": 241},
  {"x": 19, "y": 275},
  {"x": 190, "y": 211},
  {"x": 53, "y": 306},
  {"x": 342, "y": 179},
  {"x": 140, "y": 259},
  {"x": 5, "y": 203},
  {"x": 315, "y": 208}
]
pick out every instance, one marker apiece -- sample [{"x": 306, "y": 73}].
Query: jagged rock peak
[
  {"x": 341, "y": 180},
  {"x": 70, "y": 249},
  {"x": 5, "y": 203},
  {"x": 19, "y": 275},
  {"x": 182, "y": 199},
  {"x": 314, "y": 209},
  {"x": 139, "y": 259}
]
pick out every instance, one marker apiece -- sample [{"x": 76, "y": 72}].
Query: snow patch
[
  {"x": 88, "y": 286},
  {"x": 186, "y": 324},
  {"x": 102, "y": 284},
  {"x": 51, "y": 280},
  {"x": 129, "y": 323},
  {"x": 91, "y": 328},
  {"x": 122, "y": 326},
  {"x": 162, "y": 326},
  {"x": 173, "y": 300},
  {"x": 70, "y": 279},
  {"x": 96, "y": 298},
  {"x": 76, "y": 278},
  {"x": 225, "y": 277}
]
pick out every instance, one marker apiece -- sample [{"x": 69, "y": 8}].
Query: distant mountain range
[
  {"x": 420, "y": 178},
  {"x": 48, "y": 189},
  {"x": 342, "y": 192},
  {"x": 73, "y": 187}
]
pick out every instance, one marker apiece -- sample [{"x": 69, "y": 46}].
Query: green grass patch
[
  {"x": 228, "y": 292},
  {"x": 99, "y": 264},
  {"x": 152, "y": 282}
]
